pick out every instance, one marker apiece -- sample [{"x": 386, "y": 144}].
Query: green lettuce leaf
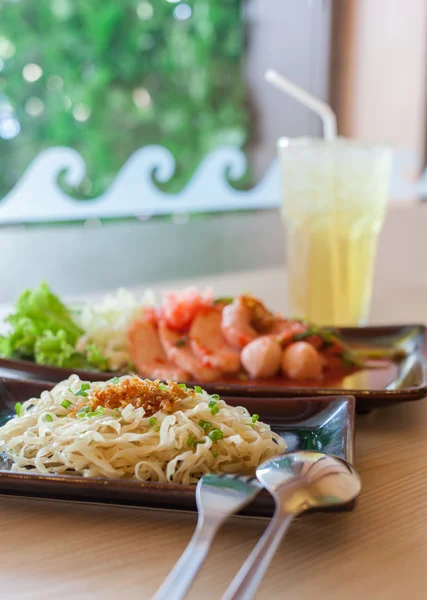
[
  {"x": 54, "y": 349},
  {"x": 44, "y": 311},
  {"x": 43, "y": 330},
  {"x": 5, "y": 349}
]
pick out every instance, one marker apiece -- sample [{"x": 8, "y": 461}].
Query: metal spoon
[{"x": 297, "y": 481}]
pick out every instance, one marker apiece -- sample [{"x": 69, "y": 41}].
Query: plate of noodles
[
  {"x": 230, "y": 345},
  {"x": 139, "y": 442}
]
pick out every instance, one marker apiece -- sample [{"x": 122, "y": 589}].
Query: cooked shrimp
[
  {"x": 208, "y": 343},
  {"x": 302, "y": 361},
  {"x": 178, "y": 351},
  {"x": 243, "y": 320},
  {"x": 148, "y": 355},
  {"x": 236, "y": 324},
  {"x": 262, "y": 357},
  {"x": 180, "y": 308}
]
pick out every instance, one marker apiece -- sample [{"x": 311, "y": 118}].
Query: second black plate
[{"x": 394, "y": 381}]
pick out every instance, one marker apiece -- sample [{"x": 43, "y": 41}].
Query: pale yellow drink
[{"x": 334, "y": 203}]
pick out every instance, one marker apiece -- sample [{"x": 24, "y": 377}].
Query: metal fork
[{"x": 217, "y": 497}]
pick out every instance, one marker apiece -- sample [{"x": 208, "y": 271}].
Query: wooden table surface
[{"x": 61, "y": 550}]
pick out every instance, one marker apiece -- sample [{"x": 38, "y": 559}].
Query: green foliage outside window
[{"x": 106, "y": 77}]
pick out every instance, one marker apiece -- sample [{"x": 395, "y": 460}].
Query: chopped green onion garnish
[
  {"x": 82, "y": 390},
  {"x": 162, "y": 386},
  {"x": 205, "y": 425},
  {"x": 83, "y": 411},
  {"x": 114, "y": 380},
  {"x": 198, "y": 389},
  {"x": 214, "y": 409},
  {"x": 216, "y": 434},
  {"x": 157, "y": 428},
  {"x": 18, "y": 408},
  {"x": 299, "y": 337},
  {"x": 213, "y": 404},
  {"x": 116, "y": 413},
  {"x": 66, "y": 403},
  {"x": 215, "y": 453},
  {"x": 192, "y": 442},
  {"x": 255, "y": 418},
  {"x": 348, "y": 359},
  {"x": 152, "y": 421},
  {"x": 182, "y": 386},
  {"x": 99, "y": 410},
  {"x": 48, "y": 418},
  {"x": 91, "y": 414}
]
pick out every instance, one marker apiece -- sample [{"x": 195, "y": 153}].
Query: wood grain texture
[{"x": 54, "y": 550}]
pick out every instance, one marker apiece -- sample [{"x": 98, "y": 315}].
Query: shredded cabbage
[{"x": 106, "y": 325}]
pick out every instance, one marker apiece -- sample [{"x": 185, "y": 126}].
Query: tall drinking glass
[{"x": 334, "y": 204}]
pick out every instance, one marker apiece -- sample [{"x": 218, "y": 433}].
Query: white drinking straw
[{"x": 324, "y": 111}]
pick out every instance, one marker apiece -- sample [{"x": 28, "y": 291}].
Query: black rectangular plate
[
  {"x": 325, "y": 424},
  {"x": 373, "y": 388}
]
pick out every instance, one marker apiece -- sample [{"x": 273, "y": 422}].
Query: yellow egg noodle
[{"x": 65, "y": 432}]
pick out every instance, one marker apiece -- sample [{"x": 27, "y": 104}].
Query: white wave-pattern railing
[{"x": 37, "y": 197}]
